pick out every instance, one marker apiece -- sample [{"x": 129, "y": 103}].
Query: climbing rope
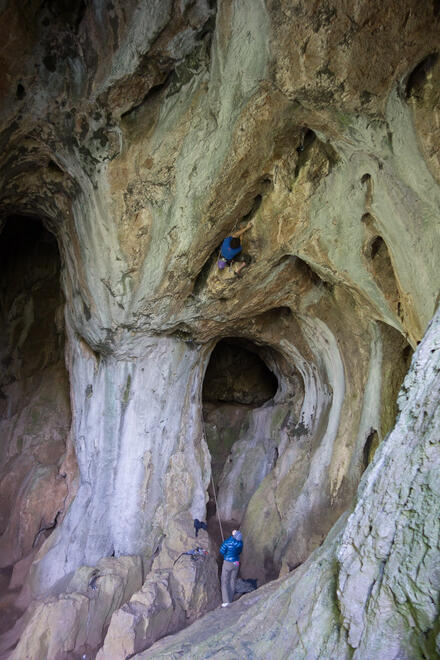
[
  {"x": 213, "y": 487},
  {"x": 216, "y": 508},
  {"x": 236, "y": 225}
]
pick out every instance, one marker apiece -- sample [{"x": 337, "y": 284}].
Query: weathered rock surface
[
  {"x": 372, "y": 589},
  {"x": 141, "y": 134},
  {"x": 73, "y": 622},
  {"x": 177, "y": 590}
]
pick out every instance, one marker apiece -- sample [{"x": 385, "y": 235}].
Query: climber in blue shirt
[
  {"x": 231, "y": 551},
  {"x": 232, "y": 251}
]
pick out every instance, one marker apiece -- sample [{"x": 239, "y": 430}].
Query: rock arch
[{"x": 239, "y": 392}]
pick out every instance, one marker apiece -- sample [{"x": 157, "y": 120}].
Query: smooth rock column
[{"x": 136, "y": 422}]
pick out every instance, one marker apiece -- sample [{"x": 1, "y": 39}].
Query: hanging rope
[
  {"x": 216, "y": 508},
  {"x": 236, "y": 225},
  {"x": 213, "y": 487}
]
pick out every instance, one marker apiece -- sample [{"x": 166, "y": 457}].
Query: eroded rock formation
[
  {"x": 371, "y": 590},
  {"x": 139, "y": 135}
]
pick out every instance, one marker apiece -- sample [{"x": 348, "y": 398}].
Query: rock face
[
  {"x": 172, "y": 596},
  {"x": 371, "y": 589},
  {"x": 139, "y": 135},
  {"x": 74, "y": 621}
]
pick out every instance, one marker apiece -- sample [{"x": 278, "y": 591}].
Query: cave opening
[
  {"x": 237, "y": 382},
  {"x": 381, "y": 266},
  {"x": 34, "y": 396}
]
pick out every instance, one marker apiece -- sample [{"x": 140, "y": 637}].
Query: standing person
[
  {"x": 231, "y": 250},
  {"x": 231, "y": 550}
]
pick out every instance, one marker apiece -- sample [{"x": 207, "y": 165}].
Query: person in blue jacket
[
  {"x": 231, "y": 550},
  {"x": 232, "y": 251}
]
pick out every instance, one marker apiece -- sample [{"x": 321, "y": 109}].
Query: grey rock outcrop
[{"x": 74, "y": 621}]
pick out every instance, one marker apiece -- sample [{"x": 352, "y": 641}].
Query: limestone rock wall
[
  {"x": 371, "y": 590},
  {"x": 139, "y": 447},
  {"x": 141, "y": 134}
]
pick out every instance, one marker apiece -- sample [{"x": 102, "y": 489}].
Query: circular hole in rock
[{"x": 237, "y": 375}]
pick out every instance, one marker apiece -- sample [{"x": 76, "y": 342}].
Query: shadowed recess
[
  {"x": 237, "y": 375},
  {"x": 34, "y": 397},
  {"x": 237, "y": 381}
]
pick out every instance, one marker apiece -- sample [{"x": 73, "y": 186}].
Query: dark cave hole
[
  {"x": 306, "y": 140},
  {"x": 417, "y": 77},
  {"x": 69, "y": 12},
  {"x": 370, "y": 446},
  {"x": 236, "y": 381},
  {"x": 54, "y": 167},
  {"x": 377, "y": 244},
  {"x": 23, "y": 240},
  {"x": 236, "y": 374},
  {"x": 382, "y": 269},
  {"x": 35, "y": 386},
  {"x": 21, "y": 92},
  {"x": 50, "y": 62}
]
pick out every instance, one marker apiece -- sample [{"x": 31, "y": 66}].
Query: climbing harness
[
  {"x": 221, "y": 261},
  {"x": 195, "y": 554}
]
